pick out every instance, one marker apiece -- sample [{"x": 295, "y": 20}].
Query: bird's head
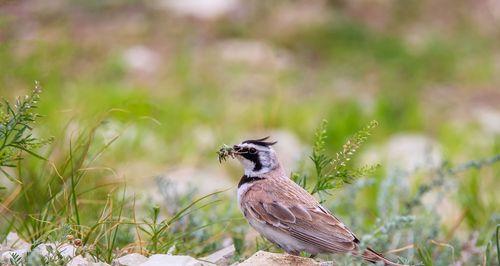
[{"x": 256, "y": 156}]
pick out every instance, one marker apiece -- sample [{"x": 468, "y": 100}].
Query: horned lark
[{"x": 285, "y": 213}]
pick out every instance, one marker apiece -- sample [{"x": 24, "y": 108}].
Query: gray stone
[
  {"x": 200, "y": 9},
  {"x": 296, "y": 16},
  {"x": 12, "y": 241},
  {"x": 406, "y": 153},
  {"x": 141, "y": 59},
  {"x": 81, "y": 261},
  {"x": 221, "y": 257},
  {"x": 253, "y": 53},
  {"x": 275, "y": 259},
  {"x": 66, "y": 250},
  {"x": 129, "y": 260},
  {"x": 163, "y": 260},
  {"x": 43, "y": 249},
  {"x": 100, "y": 263},
  {"x": 412, "y": 151},
  {"x": 489, "y": 119},
  {"x": 78, "y": 261}
]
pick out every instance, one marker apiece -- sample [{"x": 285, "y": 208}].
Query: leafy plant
[
  {"x": 381, "y": 233},
  {"x": 16, "y": 259},
  {"x": 334, "y": 172},
  {"x": 51, "y": 256},
  {"x": 16, "y": 130}
]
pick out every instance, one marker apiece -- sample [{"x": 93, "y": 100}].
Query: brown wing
[{"x": 302, "y": 218}]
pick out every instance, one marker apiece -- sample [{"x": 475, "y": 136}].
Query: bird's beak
[
  {"x": 237, "y": 151},
  {"x": 236, "y": 148}
]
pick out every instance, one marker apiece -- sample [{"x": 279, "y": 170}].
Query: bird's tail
[{"x": 375, "y": 257}]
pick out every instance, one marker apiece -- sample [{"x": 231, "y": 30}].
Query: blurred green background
[{"x": 176, "y": 79}]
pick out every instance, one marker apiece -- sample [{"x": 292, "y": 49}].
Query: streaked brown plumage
[{"x": 285, "y": 213}]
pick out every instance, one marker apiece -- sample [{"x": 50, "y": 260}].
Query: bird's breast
[{"x": 241, "y": 193}]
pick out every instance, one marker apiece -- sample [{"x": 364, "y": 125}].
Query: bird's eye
[{"x": 252, "y": 150}]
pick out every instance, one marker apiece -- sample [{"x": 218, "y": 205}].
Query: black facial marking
[
  {"x": 248, "y": 179},
  {"x": 261, "y": 142},
  {"x": 253, "y": 157}
]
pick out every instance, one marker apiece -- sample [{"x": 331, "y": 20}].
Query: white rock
[
  {"x": 78, "y": 261},
  {"x": 161, "y": 259},
  {"x": 327, "y": 263},
  {"x": 141, "y": 59},
  {"x": 406, "y": 152},
  {"x": 12, "y": 241},
  {"x": 295, "y": 16},
  {"x": 81, "y": 261},
  {"x": 42, "y": 249},
  {"x": 130, "y": 260},
  {"x": 202, "y": 9},
  {"x": 253, "y": 53},
  {"x": 100, "y": 263},
  {"x": 66, "y": 250},
  {"x": 275, "y": 259},
  {"x": 164, "y": 260},
  {"x": 221, "y": 257},
  {"x": 489, "y": 119},
  {"x": 411, "y": 152}
]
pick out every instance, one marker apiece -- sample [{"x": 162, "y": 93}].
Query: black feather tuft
[{"x": 261, "y": 142}]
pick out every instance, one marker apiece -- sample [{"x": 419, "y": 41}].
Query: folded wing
[{"x": 311, "y": 224}]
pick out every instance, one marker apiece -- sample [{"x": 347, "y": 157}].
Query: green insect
[{"x": 225, "y": 152}]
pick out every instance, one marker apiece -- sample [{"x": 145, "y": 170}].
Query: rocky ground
[{"x": 14, "y": 247}]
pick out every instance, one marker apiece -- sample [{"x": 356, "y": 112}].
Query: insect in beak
[{"x": 225, "y": 152}]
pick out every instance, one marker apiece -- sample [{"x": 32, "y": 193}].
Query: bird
[{"x": 285, "y": 213}]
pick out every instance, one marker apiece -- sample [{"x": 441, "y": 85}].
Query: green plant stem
[
  {"x": 73, "y": 191},
  {"x": 112, "y": 245},
  {"x": 498, "y": 245}
]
